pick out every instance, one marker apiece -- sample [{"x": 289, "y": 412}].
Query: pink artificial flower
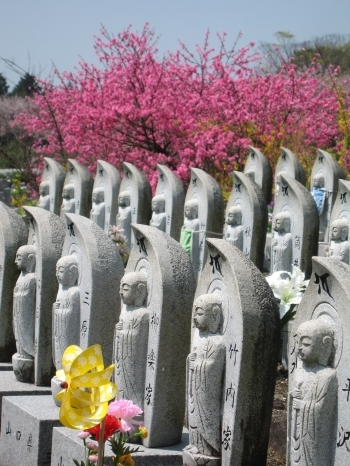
[
  {"x": 92, "y": 445},
  {"x": 125, "y": 410},
  {"x": 93, "y": 458},
  {"x": 83, "y": 435}
]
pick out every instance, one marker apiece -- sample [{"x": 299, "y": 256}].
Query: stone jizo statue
[
  {"x": 124, "y": 214},
  {"x": 68, "y": 201},
  {"x": 205, "y": 374},
  {"x": 282, "y": 244},
  {"x": 318, "y": 192},
  {"x": 250, "y": 174},
  {"x": 24, "y": 314},
  {"x": 339, "y": 247},
  {"x": 131, "y": 338},
  {"x": 234, "y": 228},
  {"x": 98, "y": 210},
  {"x": 188, "y": 240},
  {"x": 158, "y": 219},
  {"x": 278, "y": 183},
  {"x": 66, "y": 309},
  {"x": 44, "y": 199},
  {"x": 313, "y": 401}
]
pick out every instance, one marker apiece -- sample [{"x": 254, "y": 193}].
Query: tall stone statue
[
  {"x": 66, "y": 308},
  {"x": 158, "y": 219},
  {"x": 205, "y": 376},
  {"x": 124, "y": 214},
  {"x": 282, "y": 243},
  {"x": 339, "y": 247},
  {"x": 189, "y": 236},
  {"x": 98, "y": 211},
  {"x": 313, "y": 400},
  {"x": 131, "y": 338},
  {"x": 68, "y": 201},
  {"x": 234, "y": 229},
  {"x": 44, "y": 199},
  {"x": 24, "y": 314}
]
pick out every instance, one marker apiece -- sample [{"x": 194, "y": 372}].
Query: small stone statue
[
  {"x": 131, "y": 338},
  {"x": 282, "y": 244},
  {"x": 158, "y": 219},
  {"x": 66, "y": 308},
  {"x": 98, "y": 210},
  {"x": 68, "y": 202},
  {"x": 188, "y": 240},
  {"x": 234, "y": 229},
  {"x": 318, "y": 192},
  {"x": 24, "y": 314},
  {"x": 205, "y": 378},
  {"x": 250, "y": 174},
  {"x": 124, "y": 214},
  {"x": 339, "y": 247},
  {"x": 278, "y": 183},
  {"x": 44, "y": 199},
  {"x": 314, "y": 400}
]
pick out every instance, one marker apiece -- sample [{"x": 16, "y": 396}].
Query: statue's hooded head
[
  {"x": 67, "y": 271},
  {"x": 318, "y": 181},
  {"x": 316, "y": 343},
  {"x": 340, "y": 230},
  {"x": 191, "y": 209},
  {"x": 26, "y": 258},
  {"x": 68, "y": 191},
  {"x": 124, "y": 199},
  {"x": 133, "y": 289},
  {"x": 158, "y": 204},
  {"x": 234, "y": 216},
  {"x": 282, "y": 222},
  {"x": 44, "y": 188},
  {"x": 207, "y": 313},
  {"x": 250, "y": 174},
  {"x": 98, "y": 195}
]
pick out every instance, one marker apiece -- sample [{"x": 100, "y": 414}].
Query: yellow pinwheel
[{"x": 86, "y": 387}]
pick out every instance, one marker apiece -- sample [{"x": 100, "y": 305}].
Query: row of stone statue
[{"x": 222, "y": 371}]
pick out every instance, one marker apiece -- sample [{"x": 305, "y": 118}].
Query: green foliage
[
  {"x": 26, "y": 86},
  {"x": 19, "y": 194},
  {"x": 4, "y": 88}
]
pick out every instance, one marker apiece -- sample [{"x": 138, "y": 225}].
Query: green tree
[
  {"x": 4, "y": 88},
  {"x": 26, "y": 86}
]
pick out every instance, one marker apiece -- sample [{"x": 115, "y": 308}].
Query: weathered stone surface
[
  {"x": 78, "y": 186},
  {"x": 46, "y": 234},
  {"x": 203, "y": 192},
  {"x": 9, "y": 386},
  {"x": 294, "y": 207},
  {"x": 138, "y": 207},
  {"x": 339, "y": 246},
  {"x": 152, "y": 338},
  {"x": 106, "y": 185},
  {"x": 51, "y": 186},
  {"x": 66, "y": 445},
  {"x": 341, "y": 208},
  {"x": 100, "y": 270},
  {"x": 288, "y": 164},
  {"x": 26, "y": 435},
  {"x": 13, "y": 235},
  {"x": 325, "y": 176},
  {"x": 318, "y": 404},
  {"x": 248, "y": 197},
  {"x": 258, "y": 169},
  {"x": 250, "y": 334},
  {"x": 173, "y": 190}
]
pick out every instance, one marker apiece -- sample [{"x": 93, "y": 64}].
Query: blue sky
[{"x": 37, "y": 33}]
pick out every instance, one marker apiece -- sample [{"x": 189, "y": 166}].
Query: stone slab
[
  {"x": 5, "y": 366},
  {"x": 66, "y": 446},
  {"x": 9, "y": 386},
  {"x": 26, "y": 435}
]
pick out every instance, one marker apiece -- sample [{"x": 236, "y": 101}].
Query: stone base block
[
  {"x": 26, "y": 434},
  {"x": 5, "y": 366},
  {"x": 9, "y": 386},
  {"x": 66, "y": 446}
]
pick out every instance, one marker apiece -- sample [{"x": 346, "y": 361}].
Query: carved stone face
[
  {"x": 128, "y": 292},
  {"x": 318, "y": 182},
  {"x": 308, "y": 350},
  {"x": 123, "y": 200},
  {"x": 281, "y": 224},
  {"x": 234, "y": 218},
  {"x": 191, "y": 212},
  {"x": 316, "y": 343},
  {"x": 157, "y": 206},
  {"x": 25, "y": 258},
  {"x": 62, "y": 274},
  {"x": 98, "y": 196},
  {"x": 336, "y": 233},
  {"x": 44, "y": 189},
  {"x": 251, "y": 174},
  {"x": 68, "y": 192},
  {"x": 202, "y": 319},
  {"x": 21, "y": 260}
]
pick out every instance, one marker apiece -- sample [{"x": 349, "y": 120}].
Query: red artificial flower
[{"x": 112, "y": 425}]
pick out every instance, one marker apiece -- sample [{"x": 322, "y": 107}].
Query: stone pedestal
[
  {"x": 26, "y": 433},
  {"x": 66, "y": 446},
  {"x": 9, "y": 386}
]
